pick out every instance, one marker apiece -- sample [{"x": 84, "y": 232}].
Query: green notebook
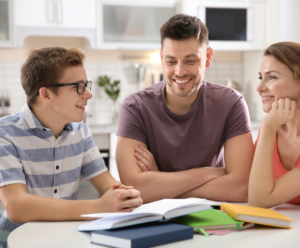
[{"x": 209, "y": 220}]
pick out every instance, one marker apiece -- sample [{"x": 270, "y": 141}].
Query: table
[{"x": 64, "y": 234}]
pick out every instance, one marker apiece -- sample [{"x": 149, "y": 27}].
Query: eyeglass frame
[{"x": 69, "y": 84}]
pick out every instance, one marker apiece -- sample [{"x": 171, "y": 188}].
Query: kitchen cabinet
[
  {"x": 6, "y": 28},
  {"x": 55, "y": 18},
  {"x": 106, "y": 140},
  {"x": 132, "y": 24},
  {"x": 55, "y": 13}
]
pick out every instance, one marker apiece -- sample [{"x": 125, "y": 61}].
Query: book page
[
  {"x": 158, "y": 207},
  {"x": 163, "y": 206},
  {"x": 102, "y": 215},
  {"x": 118, "y": 221},
  {"x": 105, "y": 223}
]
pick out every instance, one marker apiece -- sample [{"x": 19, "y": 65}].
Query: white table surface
[{"x": 64, "y": 235}]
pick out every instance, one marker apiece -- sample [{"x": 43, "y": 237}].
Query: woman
[{"x": 275, "y": 173}]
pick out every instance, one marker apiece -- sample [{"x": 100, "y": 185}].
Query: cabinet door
[
  {"x": 5, "y": 23},
  {"x": 76, "y": 13},
  {"x": 35, "y": 13}
]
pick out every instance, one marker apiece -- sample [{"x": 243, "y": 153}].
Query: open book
[{"x": 154, "y": 211}]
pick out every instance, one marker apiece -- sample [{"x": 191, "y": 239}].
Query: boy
[{"x": 46, "y": 148}]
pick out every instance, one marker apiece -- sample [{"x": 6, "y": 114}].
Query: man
[
  {"x": 45, "y": 149},
  {"x": 175, "y": 137}
]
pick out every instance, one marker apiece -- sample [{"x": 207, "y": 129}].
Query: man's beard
[{"x": 195, "y": 86}]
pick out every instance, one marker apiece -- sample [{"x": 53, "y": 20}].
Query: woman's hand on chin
[{"x": 281, "y": 113}]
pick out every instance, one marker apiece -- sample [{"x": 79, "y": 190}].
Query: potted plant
[{"x": 112, "y": 89}]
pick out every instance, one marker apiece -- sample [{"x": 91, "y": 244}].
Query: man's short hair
[
  {"x": 44, "y": 67},
  {"x": 182, "y": 27}
]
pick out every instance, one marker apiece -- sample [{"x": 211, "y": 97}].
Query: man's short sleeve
[
  {"x": 131, "y": 123},
  {"x": 11, "y": 169},
  {"x": 238, "y": 121},
  {"x": 93, "y": 164}
]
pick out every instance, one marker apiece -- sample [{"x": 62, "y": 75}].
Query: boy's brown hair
[
  {"x": 44, "y": 67},
  {"x": 182, "y": 27}
]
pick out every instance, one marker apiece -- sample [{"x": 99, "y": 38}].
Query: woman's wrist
[{"x": 268, "y": 127}]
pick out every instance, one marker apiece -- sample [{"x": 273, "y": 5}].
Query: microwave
[
  {"x": 232, "y": 25},
  {"x": 132, "y": 24},
  {"x": 227, "y": 24}
]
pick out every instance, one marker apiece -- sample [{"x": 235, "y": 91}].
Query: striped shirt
[{"x": 30, "y": 154}]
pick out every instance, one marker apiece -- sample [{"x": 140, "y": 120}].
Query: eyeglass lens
[{"x": 82, "y": 85}]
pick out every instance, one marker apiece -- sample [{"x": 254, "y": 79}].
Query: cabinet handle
[
  {"x": 60, "y": 12},
  {"x": 51, "y": 12}
]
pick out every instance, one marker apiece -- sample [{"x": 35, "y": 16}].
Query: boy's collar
[
  {"x": 30, "y": 118},
  {"x": 33, "y": 122}
]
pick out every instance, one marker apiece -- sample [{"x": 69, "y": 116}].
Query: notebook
[
  {"x": 209, "y": 220},
  {"x": 142, "y": 236},
  {"x": 256, "y": 215}
]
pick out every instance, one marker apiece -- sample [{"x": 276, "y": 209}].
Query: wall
[
  {"x": 226, "y": 65},
  {"x": 289, "y": 20},
  {"x": 115, "y": 64},
  {"x": 272, "y": 20},
  {"x": 280, "y": 19},
  {"x": 251, "y": 59}
]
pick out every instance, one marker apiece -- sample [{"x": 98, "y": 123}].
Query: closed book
[
  {"x": 142, "y": 236},
  {"x": 209, "y": 220},
  {"x": 256, "y": 215},
  {"x": 154, "y": 211}
]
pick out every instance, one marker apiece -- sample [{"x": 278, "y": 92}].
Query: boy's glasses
[{"x": 79, "y": 85}]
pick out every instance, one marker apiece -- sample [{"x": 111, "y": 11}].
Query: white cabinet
[
  {"x": 113, "y": 169},
  {"x": 55, "y": 13},
  {"x": 132, "y": 24},
  {"x": 106, "y": 139},
  {"x": 33, "y": 13},
  {"x": 55, "y": 18},
  {"x": 76, "y": 13},
  {"x": 6, "y": 33}
]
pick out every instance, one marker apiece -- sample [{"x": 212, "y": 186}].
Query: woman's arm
[{"x": 264, "y": 191}]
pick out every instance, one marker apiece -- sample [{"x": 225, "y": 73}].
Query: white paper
[{"x": 159, "y": 207}]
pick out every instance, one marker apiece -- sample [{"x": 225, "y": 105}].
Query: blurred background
[{"x": 121, "y": 41}]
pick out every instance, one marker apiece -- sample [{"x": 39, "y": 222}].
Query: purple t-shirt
[{"x": 181, "y": 142}]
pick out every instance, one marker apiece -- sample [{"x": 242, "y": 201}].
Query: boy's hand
[
  {"x": 121, "y": 198},
  {"x": 146, "y": 161},
  {"x": 119, "y": 185},
  {"x": 282, "y": 112},
  {"x": 128, "y": 200}
]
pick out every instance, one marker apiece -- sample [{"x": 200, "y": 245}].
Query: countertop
[{"x": 103, "y": 129}]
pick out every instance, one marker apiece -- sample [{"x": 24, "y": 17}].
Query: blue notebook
[{"x": 142, "y": 236}]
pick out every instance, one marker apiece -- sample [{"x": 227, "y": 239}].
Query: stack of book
[
  {"x": 210, "y": 221},
  {"x": 148, "y": 224},
  {"x": 233, "y": 217},
  {"x": 145, "y": 226}
]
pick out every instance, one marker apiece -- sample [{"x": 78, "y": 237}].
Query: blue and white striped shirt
[{"x": 50, "y": 167}]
